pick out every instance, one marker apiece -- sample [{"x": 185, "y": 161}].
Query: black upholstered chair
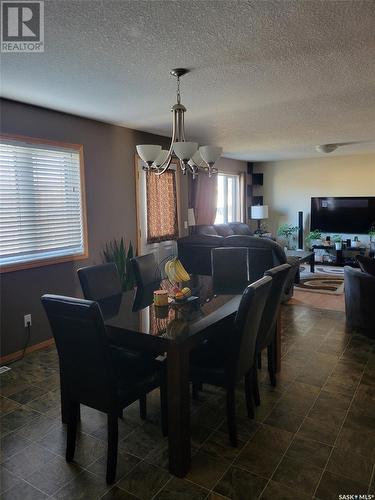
[
  {"x": 230, "y": 269},
  {"x": 82, "y": 344},
  {"x": 100, "y": 282},
  {"x": 226, "y": 366},
  {"x": 146, "y": 270},
  {"x": 266, "y": 337}
]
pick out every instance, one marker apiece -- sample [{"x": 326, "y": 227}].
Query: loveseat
[{"x": 195, "y": 251}]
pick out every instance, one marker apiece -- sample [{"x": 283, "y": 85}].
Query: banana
[
  {"x": 175, "y": 271},
  {"x": 182, "y": 274}
]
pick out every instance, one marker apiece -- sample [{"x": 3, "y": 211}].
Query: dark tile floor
[{"x": 313, "y": 436}]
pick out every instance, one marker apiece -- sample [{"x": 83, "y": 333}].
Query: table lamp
[{"x": 259, "y": 212}]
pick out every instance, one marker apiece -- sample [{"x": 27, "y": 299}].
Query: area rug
[{"x": 322, "y": 284}]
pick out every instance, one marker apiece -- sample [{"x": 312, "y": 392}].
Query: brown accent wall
[{"x": 110, "y": 193}]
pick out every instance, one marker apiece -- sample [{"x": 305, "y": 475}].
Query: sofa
[
  {"x": 359, "y": 301},
  {"x": 194, "y": 251}
]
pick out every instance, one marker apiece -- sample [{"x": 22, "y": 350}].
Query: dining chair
[
  {"x": 229, "y": 269},
  {"x": 266, "y": 337},
  {"x": 225, "y": 367},
  {"x": 100, "y": 281},
  {"x": 92, "y": 375},
  {"x": 146, "y": 270}
]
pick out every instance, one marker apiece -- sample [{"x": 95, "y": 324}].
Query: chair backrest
[
  {"x": 82, "y": 344},
  {"x": 246, "y": 325},
  {"x": 230, "y": 269},
  {"x": 146, "y": 270},
  {"x": 267, "y": 327},
  {"x": 99, "y": 282},
  {"x": 260, "y": 260}
]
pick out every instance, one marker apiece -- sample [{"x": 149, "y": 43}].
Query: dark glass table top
[{"x": 134, "y": 313}]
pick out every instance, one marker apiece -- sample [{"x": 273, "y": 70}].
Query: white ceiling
[{"x": 269, "y": 79}]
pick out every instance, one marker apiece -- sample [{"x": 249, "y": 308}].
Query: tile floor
[{"x": 313, "y": 435}]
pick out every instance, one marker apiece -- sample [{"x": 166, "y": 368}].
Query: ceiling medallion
[{"x": 191, "y": 158}]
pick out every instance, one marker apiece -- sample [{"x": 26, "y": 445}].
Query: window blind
[{"x": 41, "y": 214}]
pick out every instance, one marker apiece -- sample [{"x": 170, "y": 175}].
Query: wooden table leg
[
  {"x": 278, "y": 342},
  {"x": 178, "y": 411}
]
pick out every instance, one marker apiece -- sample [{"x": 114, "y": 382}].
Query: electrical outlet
[
  {"x": 186, "y": 224},
  {"x": 27, "y": 320}
]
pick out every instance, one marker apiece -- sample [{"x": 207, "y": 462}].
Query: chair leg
[
  {"x": 259, "y": 359},
  {"x": 164, "y": 409},
  {"x": 271, "y": 364},
  {"x": 112, "y": 448},
  {"x": 231, "y": 416},
  {"x": 71, "y": 411},
  {"x": 143, "y": 407},
  {"x": 254, "y": 381},
  {"x": 249, "y": 397},
  {"x": 195, "y": 390}
]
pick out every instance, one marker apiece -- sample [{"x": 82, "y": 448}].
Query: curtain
[
  {"x": 204, "y": 198},
  {"x": 162, "y": 223}
]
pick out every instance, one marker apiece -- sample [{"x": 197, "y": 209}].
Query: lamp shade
[
  {"x": 210, "y": 153},
  {"x": 197, "y": 159},
  {"x": 148, "y": 152},
  {"x": 191, "y": 217},
  {"x": 185, "y": 150},
  {"x": 259, "y": 212},
  {"x": 162, "y": 156}
]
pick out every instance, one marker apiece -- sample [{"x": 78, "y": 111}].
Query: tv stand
[{"x": 343, "y": 257}]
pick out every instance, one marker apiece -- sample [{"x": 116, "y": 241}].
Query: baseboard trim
[{"x": 32, "y": 348}]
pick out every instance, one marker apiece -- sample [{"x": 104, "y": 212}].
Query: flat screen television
[{"x": 346, "y": 214}]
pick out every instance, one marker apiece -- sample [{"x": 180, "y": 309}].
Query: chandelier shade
[
  {"x": 185, "y": 150},
  {"x": 191, "y": 159},
  {"x": 163, "y": 155},
  {"x": 210, "y": 154},
  {"x": 148, "y": 152}
]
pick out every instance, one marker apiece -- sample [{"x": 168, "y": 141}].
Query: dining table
[{"x": 134, "y": 322}]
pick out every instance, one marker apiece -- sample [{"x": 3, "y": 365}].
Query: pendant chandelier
[{"x": 191, "y": 158}]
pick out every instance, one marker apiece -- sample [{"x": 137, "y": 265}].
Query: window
[
  {"x": 228, "y": 199},
  {"x": 162, "y": 223},
  {"x": 42, "y": 217}
]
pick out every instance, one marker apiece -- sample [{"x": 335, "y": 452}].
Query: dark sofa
[
  {"x": 195, "y": 251},
  {"x": 360, "y": 301}
]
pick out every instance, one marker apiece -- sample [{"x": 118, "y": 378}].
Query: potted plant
[
  {"x": 372, "y": 238},
  {"x": 337, "y": 240},
  {"x": 288, "y": 231},
  {"x": 314, "y": 238},
  {"x": 116, "y": 252}
]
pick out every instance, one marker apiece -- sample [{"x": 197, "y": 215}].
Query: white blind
[{"x": 40, "y": 202}]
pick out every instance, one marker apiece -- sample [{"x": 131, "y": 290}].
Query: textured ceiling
[{"x": 269, "y": 79}]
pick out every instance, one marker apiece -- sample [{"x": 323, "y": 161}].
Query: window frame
[
  {"x": 47, "y": 261},
  {"x": 236, "y": 197}
]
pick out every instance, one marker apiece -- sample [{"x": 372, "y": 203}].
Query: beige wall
[
  {"x": 226, "y": 165},
  {"x": 289, "y": 185}
]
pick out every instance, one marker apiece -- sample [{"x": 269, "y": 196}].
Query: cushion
[
  {"x": 224, "y": 230},
  {"x": 206, "y": 230},
  {"x": 366, "y": 264},
  {"x": 240, "y": 228}
]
